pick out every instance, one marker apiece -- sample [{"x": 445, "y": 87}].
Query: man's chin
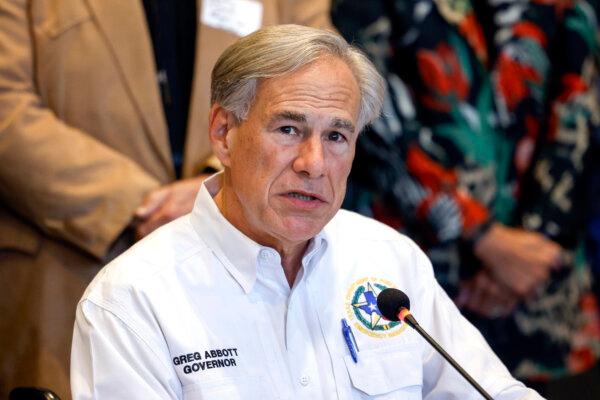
[{"x": 299, "y": 231}]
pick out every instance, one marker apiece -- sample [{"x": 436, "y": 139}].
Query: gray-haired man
[{"x": 243, "y": 298}]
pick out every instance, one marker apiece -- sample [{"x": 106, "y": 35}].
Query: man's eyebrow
[
  {"x": 339, "y": 123},
  {"x": 289, "y": 115}
]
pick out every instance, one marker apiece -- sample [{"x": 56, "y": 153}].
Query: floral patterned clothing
[{"x": 488, "y": 117}]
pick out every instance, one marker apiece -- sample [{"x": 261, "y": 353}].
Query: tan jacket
[
  {"x": 83, "y": 138},
  {"x": 82, "y": 132}
]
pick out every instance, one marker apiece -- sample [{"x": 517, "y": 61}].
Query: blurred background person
[
  {"x": 102, "y": 139},
  {"x": 480, "y": 157},
  {"x": 593, "y": 201}
]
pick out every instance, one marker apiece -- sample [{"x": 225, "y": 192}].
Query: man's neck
[
  {"x": 291, "y": 261},
  {"x": 291, "y": 253}
]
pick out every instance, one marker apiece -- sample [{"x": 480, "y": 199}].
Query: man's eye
[
  {"x": 288, "y": 130},
  {"x": 336, "y": 137}
]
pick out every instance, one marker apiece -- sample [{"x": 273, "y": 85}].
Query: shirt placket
[
  {"x": 301, "y": 349},
  {"x": 270, "y": 296}
]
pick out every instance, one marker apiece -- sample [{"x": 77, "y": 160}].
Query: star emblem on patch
[
  {"x": 362, "y": 310},
  {"x": 369, "y": 305}
]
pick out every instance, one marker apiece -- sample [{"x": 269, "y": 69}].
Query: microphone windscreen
[{"x": 390, "y": 301}]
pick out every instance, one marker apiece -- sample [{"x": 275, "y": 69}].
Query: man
[
  {"x": 243, "y": 297},
  {"x": 96, "y": 148}
]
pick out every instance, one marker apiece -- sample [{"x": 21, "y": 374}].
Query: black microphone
[{"x": 394, "y": 304}]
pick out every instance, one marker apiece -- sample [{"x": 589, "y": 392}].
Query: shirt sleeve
[
  {"x": 552, "y": 200},
  {"x": 438, "y": 315},
  {"x": 110, "y": 359}
]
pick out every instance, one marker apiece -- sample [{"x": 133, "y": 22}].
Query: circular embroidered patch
[{"x": 362, "y": 310}]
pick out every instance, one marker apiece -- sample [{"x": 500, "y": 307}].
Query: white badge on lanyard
[{"x": 240, "y": 17}]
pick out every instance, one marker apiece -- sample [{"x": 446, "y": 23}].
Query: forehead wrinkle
[
  {"x": 292, "y": 89},
  {"x": 307, "y": 98},
  {"x": 302, "y": 91},
  {"x": 333, "y": 92},
  {"x": 284, "y": 101}
]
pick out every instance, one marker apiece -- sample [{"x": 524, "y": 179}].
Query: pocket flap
[
  {"x": 64, "y": 16},
  {"x": 378, "y": 372}
]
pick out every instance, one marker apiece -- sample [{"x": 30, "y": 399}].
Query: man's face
[{"x": 289, "y": 160}]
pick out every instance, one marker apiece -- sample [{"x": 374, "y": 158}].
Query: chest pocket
[
  {"x": 230, "y": 388},
  {"x": 386, "y": 374},
  {"x": 59, "y": 17}
]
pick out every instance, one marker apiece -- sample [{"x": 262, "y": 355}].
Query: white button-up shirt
[{"x": 199, "y": 311}]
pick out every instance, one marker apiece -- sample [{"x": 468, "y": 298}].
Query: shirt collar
[
  {"x": 316, "y": 248},
  {"x": 235, "y": 250},
  {"x": 238, "y": 253}
]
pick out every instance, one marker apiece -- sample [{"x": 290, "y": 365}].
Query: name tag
[
  {"x": 208, "y": 359},
  {"x": 240, "y": 17}
]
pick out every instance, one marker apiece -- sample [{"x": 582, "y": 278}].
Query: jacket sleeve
[
  {"x": 65, "y": 182},
  {"x": 553, "y": 196}
]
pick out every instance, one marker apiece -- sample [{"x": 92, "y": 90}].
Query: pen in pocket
[{"x": 350, "y": 340}]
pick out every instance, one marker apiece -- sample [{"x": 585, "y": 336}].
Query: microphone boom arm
[{"x": 405, "y": 316}]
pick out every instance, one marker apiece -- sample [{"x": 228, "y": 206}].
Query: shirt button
[{"x": 304, "y": 380}]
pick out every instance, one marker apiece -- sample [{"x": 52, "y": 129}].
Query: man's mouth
[{"x": 304, "y": 196}]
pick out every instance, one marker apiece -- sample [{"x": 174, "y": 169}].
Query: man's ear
[{"x": 220, "y": 123}]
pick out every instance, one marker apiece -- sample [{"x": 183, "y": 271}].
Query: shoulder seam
[{"x": 126, "y": 323}]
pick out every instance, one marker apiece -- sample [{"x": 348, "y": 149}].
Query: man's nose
[{"x": 310, "y": 160}]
